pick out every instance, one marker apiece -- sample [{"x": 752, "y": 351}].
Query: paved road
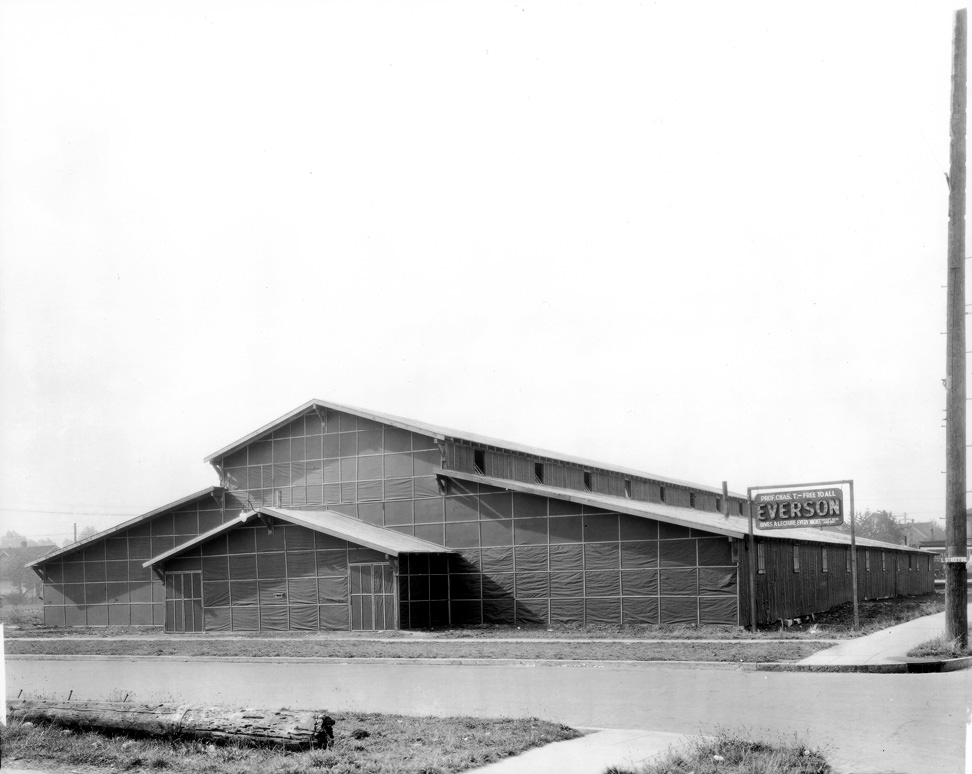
[{"x": 914, "y": 724}]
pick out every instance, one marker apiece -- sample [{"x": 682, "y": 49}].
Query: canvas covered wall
[{"x": 524, "y": 558}]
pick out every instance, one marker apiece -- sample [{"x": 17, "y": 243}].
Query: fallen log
[{"x": 284, "y": 728}]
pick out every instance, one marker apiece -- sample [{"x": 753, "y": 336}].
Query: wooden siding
[{"x": 783, "y": 593}]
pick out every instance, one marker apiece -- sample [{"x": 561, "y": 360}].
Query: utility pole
[{"x": 956, "y": 574}]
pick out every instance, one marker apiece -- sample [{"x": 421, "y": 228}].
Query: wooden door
[
  {"x": 373, "y": 597},
  {"x": 183, "y": 602}
]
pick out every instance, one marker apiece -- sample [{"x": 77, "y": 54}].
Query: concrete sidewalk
[
  {"x": 888, "y": 646},
  {"x": 590, "y": 754}
]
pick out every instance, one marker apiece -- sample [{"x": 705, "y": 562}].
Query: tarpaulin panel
[
  {"x": 499, "y": 611},
  {"x": 298, "y": 496},
  {"x": 532, "y": 612},
  {"x": 428, "y": 511},
  {"x": 303, "y": 617},
  {"x": 497, "y": 560},
  {"x": 672, "y": 531},
  {"x": 332, "y": 472},
  {"x": 463, "y": 534},
  {"x": 677, "y": 553},
  {"x": 115, "y": 571},
  {"x": 721, "y": 610},
  {"x": 73, "y": 572},
  {"x": 467, "y": 587},
  {"x": 54, "y": 572},
  {"x": 398, "y": 488},
  {"x": 312, "y": 447},
  {"x": 679, "y": 583},
  {"x": 158, "y": 591},
  {"x": 332, "y": 590},
  {"x": 566, "y": 529},
  {"x": 209, "y": 520},
  {"x": 639, "y": 555},
  {"x": 95, "y": 571},
  {"x": 369, "y": 442},
  {"x": 162, "y": 525},
  {"x": 602, "y": 556},
  {"x": 236, "y": 459},
  {"x": 333, "y": 617},
  {"x": 639, "y": 583},
  {"x": 116, "y": 548},
  {"x": 602, "y": 584},
  {"x": 54, "y": 616},
  {"x": 717, "y": 581},
  {"x": 532, "y": 585},
  {"x": 418, "y": 564},
  {"x": 567, "y": 584},
  {"x": 602, "y": 611},
  {"x": 215, "y": 568},
  {"x": 241, "y": 540},
  {"x": 635, "y": 528},
  {"x": 53, "y": 594},
  {"x": 245, "y": 619},
  {"x": 216, "y": 546},
  {"x": 370, "y": 468},
  {"x": 119, "y": 593},
  {"x": 348, "y": 444},
  {"x": 439, "y": 563},
  {"x": 140, "y": 531},
  {"x": 97, "y": 615},
  {"x": 601, "y": 527},
  {"x": 244, "y": 592},
  {"x": 714, "y": 552},
  {"x": 530, "y": 531},
  {"x": 418, "y": 614},
  {"x": 567, "y": 611},
  {"x": 302, "y": 591},
  {"x": 398, "y": 513},
  {"x": 273, "y": 592},
  {"x": 425, "y": 486},
  {"x": 679, "y": 610},
  {"x": 271, "y": 539},
  {"x": 298, "y": 452},
  {"x": 177, "y": 564},
  {"x": 140, "y": 592},
  {"x": 261, "y": 453},
  {"x": 95, "y": 593},
  {"x": 301, "y": 564},
  {"x": 397, "y": 440},
  {"x": 497, "y": 532},
  {"x": 467, "y": 560},
  {"x": 418, "y": 587},
  {"x": 497, "y": 505},
  {"x": 425, "y": 462},
  {"x": 527, "y": 506},
  {"x": 639, "y": 610},
  {"x": 364, "y": 555},
  {"x": 142, "y": 615},
  {"x": 423, "y": 442},
  {"x": 271, "y": 566},
  {"x": 314, "y": 495},
  {"x": 461, "y": 508},
  {"x": 242, "y": 566},
  {"x": 498, "y": 585},
  {"x": 370, "y": 512},
  {"x": 325, "y": 541},
  {"x": 531, "y": 558},
  {"x": 137, "y": 572},
  {"x": 74, "y": 616},
  {"x": 298, "y": 538},
  {"x": 217, "y": 619},
  {"x": 330, "y": 446},
  {"x": 431, "y": 532},
  {"x": 139, "y": 548},
  {"x": 314, "y": 473},
  {"x": 398, "y": 465},
  {"x": 466, "y": 613},
  {"x": 216, "y": 593},
  {"x": 185, "y": 523},
  {"x": 349, "y": 470},
  {"x": 254, "y": 477},
  {"x": 566, "y": 557},
  {"x": 439, "y": 613},
  {"x": 281, "y": 450}
]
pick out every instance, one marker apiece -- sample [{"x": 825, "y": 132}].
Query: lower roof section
[
  {"x": 729, "y": 525},
  {"x": 331, "y": 523}
]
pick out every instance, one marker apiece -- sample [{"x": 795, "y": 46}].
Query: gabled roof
[
  {"x": 444, "y": 433},
  {"x": 212, "y": 490},
  {"x": 731, "y": 526},
  {"x": 331, "y": 523}
]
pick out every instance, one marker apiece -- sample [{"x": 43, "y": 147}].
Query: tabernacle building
[{"x": 333, "y": 517}]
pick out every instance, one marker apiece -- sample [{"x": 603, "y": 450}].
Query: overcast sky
[{"x": 706, "y": 240}]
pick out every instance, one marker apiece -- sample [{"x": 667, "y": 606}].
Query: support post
[
  {"x": 752, "y": 563},
  {"x": 857, "y": 615},
  {"x": 956, "y": 573}
]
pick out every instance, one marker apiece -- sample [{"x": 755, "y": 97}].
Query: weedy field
[{"x": 363, "y": 744}]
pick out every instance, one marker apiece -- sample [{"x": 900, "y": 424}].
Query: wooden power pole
[{"x": 956, "y": 574}]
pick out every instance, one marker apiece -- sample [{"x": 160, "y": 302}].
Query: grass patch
[
  {"x": 749, "y": 651},
  {"x": 733, "y": 753},
  {"x": 940, "y": 647},
  {"x": 376, "y": 744}
]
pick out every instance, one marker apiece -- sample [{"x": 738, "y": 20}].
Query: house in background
[
  {"x": 333, "y": 517},
  {"x": 15, "y": 574}
]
